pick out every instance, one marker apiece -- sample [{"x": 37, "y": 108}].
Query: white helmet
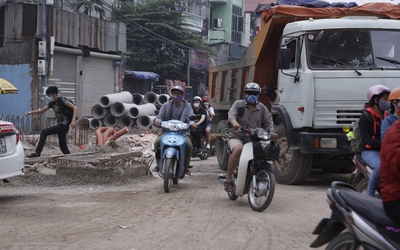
[{"x": 252, "y": 87}]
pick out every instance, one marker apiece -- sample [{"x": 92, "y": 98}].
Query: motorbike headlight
[
  {"x": 263, "y": 135},
  {"x": 174, "y": 126}
]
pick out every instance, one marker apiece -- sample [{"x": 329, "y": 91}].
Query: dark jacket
[
  {"x": 390, "y": 164},
  {"x": 370, "y": 129}
]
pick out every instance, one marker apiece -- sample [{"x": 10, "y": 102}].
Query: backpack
[{"x": 356, "y": 139}]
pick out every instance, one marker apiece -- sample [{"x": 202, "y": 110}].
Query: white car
[{"x": 11, "y": 151}]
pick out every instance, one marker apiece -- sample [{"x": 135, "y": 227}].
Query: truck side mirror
[{"x": 283, "y": 58}]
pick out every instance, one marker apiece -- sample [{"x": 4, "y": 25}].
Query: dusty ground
[{"x": 42, "y": 210}]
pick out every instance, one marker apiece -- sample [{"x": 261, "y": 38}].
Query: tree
[
  {"x": 157, "y": 39},
  {"x": 90, "y": 6}
]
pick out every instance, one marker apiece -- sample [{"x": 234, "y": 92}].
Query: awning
[
  {"x": 7, "y": 88},
  {"x": 142, "y": 74}
]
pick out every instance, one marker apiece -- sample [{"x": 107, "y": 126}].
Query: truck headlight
[{"x": 328, "y": 143}]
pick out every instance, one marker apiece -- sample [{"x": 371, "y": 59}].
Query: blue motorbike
[{"x": 172, "y": 152}]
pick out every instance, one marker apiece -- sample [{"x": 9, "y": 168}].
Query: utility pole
[{"x": 43, "y": 58}]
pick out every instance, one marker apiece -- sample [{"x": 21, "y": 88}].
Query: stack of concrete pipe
[{"x": 126, "y": 109}]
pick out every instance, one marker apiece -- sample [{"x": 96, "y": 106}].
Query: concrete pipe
[
  {"x": 145, "y": 121},
  {"x": 163, "y": 98},
  {"x": 110, "y": 121},
  {"x": 126, "y": 121},
  {"x": 150, "y": 97},
  {"x": 144, "y": 109},
  {"x": 99, "y": 112},
  {"x": 137, "y": 98},
  {"x": 95, "y": 123},
  {"x": 108, "y": 100},
  {"x": 119, "y": 109}
]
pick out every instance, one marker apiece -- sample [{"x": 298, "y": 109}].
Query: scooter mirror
[{"x": 241, "y": 112}]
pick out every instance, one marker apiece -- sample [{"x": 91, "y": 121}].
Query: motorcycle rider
[
  {"x": 176, "y": 109},
  {"x": 200, "y": 124},
  {"x": 390, "y": 172},
  {"x": 394, "y": 115},
  {"x": 370, "y": 130},
  {"x": 256, "y": 115},
  {"x": 210, "y": 115}
]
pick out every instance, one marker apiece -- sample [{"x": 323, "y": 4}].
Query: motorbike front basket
[{"x": 266, "y": 150}]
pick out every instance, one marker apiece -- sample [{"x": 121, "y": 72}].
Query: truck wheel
[
  {"x": 292, "y": 167},
  {"x": 221, "y": 147}
]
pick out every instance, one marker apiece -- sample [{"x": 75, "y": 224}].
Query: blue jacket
[{"x": 389, "y": 120}]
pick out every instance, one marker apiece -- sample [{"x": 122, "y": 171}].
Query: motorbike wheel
[
  {"x": 362, "y": 185},
  {"x": 260, "y": 196},
  {"x": 205, "y": 152},
  {"x": 168, "y": 168},
  {"x": 342, "y": 241}
]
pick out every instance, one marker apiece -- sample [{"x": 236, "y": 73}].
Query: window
[
  {"x": 353, "y": 49},
  {"x": 237, "y": 24}
]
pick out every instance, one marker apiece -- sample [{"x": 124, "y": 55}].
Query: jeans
[
  {"x": 61, "y": 130},
  {"x": 373, "y": 159},
  {"x": 196, "y": 135},
  {"x": 188, "y": 151}
]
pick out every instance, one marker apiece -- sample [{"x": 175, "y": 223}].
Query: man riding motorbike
[
  {"x": 256, "y": 115},
  {"x": 201, "y": 124},
  {"x": 176, "y": 109}
]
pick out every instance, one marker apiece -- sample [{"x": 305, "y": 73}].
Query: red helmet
[{"x": 204, "y": 99}]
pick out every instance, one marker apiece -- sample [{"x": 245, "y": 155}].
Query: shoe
[
  {"x": 228, "y": 186},
  {"x": 156, "y": 169},
  {"x": 187, "y": 171},
  {"x": 33, "y": 155},
  {"x": 208, "y": 146}
]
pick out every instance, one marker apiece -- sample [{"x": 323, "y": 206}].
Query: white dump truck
[{"x": 321, "y": 62}]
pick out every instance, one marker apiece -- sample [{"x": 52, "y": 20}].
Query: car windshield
[{"x": 353, "y": 49}]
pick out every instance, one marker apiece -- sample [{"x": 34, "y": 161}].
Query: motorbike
[
  {"x": 254, "y": 175},
  {"x": 364, "y": 218},
  {"x": 360, "y": 177},
  {"x": 172, "y": 152},
  {"x": 204, "y": 152}
]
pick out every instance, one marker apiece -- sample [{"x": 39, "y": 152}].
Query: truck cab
[{"x": 325, "y": 68}]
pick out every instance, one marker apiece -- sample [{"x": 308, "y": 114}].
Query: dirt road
[{"x": 196, "y": 214}]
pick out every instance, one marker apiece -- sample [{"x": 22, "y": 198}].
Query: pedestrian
[{"x": 65, "y": 113}]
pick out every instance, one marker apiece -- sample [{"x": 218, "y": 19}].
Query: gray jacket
[
  {"x": 260, "y": 117},
  {"x": 165, "y": 113}
]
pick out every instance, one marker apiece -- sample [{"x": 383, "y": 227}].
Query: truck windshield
[{"x": 353, "y": 49}]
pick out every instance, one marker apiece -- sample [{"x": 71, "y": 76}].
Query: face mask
[
  {"x": 50, "y": 99},
  {"x": 196, "y": 105},
  {"x": 384, "y": 105},
  {"x": 252, "y": 99},
  {"x": 177, "y": 98}
]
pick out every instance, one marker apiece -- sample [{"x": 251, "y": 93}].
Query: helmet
[
  {"x": 204, "y": 99},
  {"x": 196, "y": 98},
  {"x": 395, "y": 94},
  {"x": 377, "y": 90},
  {"x": 252, "y": 87},
  {"x": 177, "y": 88}
]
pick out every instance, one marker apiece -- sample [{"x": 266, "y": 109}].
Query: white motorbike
[{"x": 254, "y": 174}]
